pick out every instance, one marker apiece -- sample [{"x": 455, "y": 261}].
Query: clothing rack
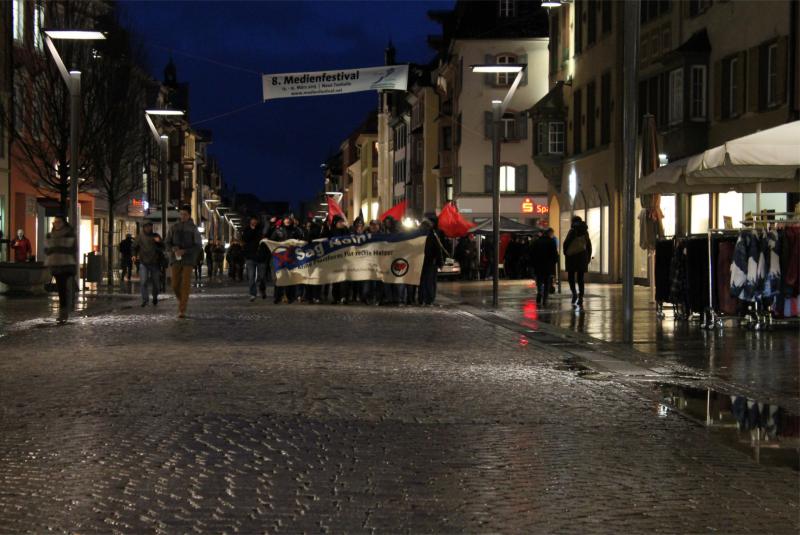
[{"x": 711, "y": 318}]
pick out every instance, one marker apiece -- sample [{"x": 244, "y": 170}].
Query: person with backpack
[
  {"x": 577, "y": 254},
  {"x": 60, "y": 248},
  {"x": 149, "y": 251}
]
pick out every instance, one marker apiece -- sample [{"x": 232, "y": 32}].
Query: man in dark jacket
[
  {"x": 149, "y": 251},
  {"x": 126, "y": 256},
  {"x": 251, "y": 238},
  {"x": 544, "y": 255},
  {"x": 433, "y": 260},
  {"x": 577, "y": 254},
  {"x": 340, "y": 291}
]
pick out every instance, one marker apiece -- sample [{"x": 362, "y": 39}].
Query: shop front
[{"x": 530, "y": 210}]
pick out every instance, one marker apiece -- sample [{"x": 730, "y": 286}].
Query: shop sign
[
  {"x": 530, "y": 207},
  {"x": 136, "y": 208}
]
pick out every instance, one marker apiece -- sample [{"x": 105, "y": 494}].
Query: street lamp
[
  {"x": 498, "y": 109},
  {"x": 73, "y": 81},
  {"x": 164, "y": 146}
]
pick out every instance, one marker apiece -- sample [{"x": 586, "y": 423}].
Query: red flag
[
  {"x": 334, "y": 210},
  {"x": 451, "y": 222},
  {"x": 397, "y": 212}
]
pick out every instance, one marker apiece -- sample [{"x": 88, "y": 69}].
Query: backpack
[{"x": 576, "y": 246}]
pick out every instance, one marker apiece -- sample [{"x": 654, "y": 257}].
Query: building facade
[
  {"x": 477, "y": 33},
  {"x": 709, "y": 72}
]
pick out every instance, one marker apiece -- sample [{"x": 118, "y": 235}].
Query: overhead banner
[
  {"x": 393, "y": 258},
  {"x": 335, "y": 82}
]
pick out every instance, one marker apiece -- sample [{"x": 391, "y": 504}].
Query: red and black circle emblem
[{"x": 400, "y": 267}]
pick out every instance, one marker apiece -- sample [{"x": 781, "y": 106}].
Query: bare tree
[
  {"x": 43, "y": 140},
  {"x": 116, "y": 151}
]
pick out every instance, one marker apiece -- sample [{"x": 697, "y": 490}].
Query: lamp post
[
  {"x": 164, "y": 148},
  {"x": 73, "y": 81},
  {"x": 498, "y": 109}
]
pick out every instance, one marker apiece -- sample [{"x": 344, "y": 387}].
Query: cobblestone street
[{"x": 253, "y": 418}]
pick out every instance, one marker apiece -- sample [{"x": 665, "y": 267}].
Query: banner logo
[{"x": 400, "y": 267}]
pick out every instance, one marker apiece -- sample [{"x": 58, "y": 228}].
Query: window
[
  {"x": 591, "y": 22},
  {"x": 730, "y": 89},
  {"x": 556, "y": 138},
  {"x": 2, "y": 132},
  {"x": 458, "y": 130},
  {"x": 541, "y": 138},
  {"x": 38, "y": 24},
  {"x": 505, "y": 78},
  {"x": 507, "y": 8},
  {"x": 666, "y": 39},
  {"x": 699, "y": 213},
  {"x": 698, "y": 6},
  {"x": 676, "y": 96},
  {"x": 591, "y": 90},
  {"x": 772, "y": 75},
  {"x": 507, "y": 178},
  {"x": 18, "y": 16},
  {"x": 606, "y": 15},
  {"x": 698, "y": 94},
  {"x": 605, "y": 109},
  {"x": 508, "y": 127},
  {"x": 578, "y": 27},
  {"x": 447, "y": 138},
  {"x": 19, "y": 105},
  {"x": 576, "y": 122},
  {"x": 595, "y": 224}
]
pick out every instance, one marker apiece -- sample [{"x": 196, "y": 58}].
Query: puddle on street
[{"x": 768, "y": 433}]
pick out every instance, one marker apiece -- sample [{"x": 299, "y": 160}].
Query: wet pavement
[
  {"x": 766, "y": 363},
  {"x": 257, "y": 418}
]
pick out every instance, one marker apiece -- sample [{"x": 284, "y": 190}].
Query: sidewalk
[{"x": 764, "y": 364}]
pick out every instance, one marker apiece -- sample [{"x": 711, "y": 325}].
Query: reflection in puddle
[{"x": 769, "y": 433}]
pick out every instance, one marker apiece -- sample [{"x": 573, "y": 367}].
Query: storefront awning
[{"x": 770, "y": 158}]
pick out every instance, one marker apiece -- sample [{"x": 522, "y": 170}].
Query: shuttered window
[
  {"x": 541, "y": 138},
  {"x": 605, "y": 109},
  {"x": 576, "y": 121},
  {"x": 772, "y": 74},
  {"x": 698, "y": 92},
  {"x": 556, "y": 138},
  {"x": 676, "y": 96},
  {"x": 591, "y": 91}
]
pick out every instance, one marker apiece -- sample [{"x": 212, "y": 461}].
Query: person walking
[
  {"x": 209, "y": 254},
  {"x": 126, "y": 257},
  {"x": 251, "y": 238},
  {"x": 544, "y": 255},
  {"x": 21, "y": 246},
  {"x": 577, "y": 253},
  {"x": 60, "y": 249},
  {"x": 149, "y": 251},
  {"x": 219, "y": 259},
  {"x": 340, "y": 290},
  {"x": 184, "y": 244},
  {"x": 286, "y": 231}
]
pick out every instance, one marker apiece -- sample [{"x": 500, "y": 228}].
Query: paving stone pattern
[{"x": 257, "y": 418}]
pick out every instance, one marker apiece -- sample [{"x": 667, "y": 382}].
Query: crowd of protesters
[{"x": 254, "y": 256}]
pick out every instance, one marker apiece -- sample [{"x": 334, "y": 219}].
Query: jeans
[
  {"x": 65, "y": 283},
  {"x": 571, "y": 275},
  {"x": 181, "y": 283},
  {"x": 149, "y": 275},
  {"x": 255, "y": 274}
]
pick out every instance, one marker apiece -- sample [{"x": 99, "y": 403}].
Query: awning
[{"x": 770, "y": 158}]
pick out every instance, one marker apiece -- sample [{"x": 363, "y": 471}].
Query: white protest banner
[
  {"x": 393, "y": 258},
  {"x": 334, "y": 82}
]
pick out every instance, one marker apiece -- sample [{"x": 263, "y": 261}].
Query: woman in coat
[
  {"x": 577, "y": 254},
  {"x": 60, "y": 250}
]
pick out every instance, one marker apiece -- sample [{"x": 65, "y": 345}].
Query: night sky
[{"x": 274, "y": 149}]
